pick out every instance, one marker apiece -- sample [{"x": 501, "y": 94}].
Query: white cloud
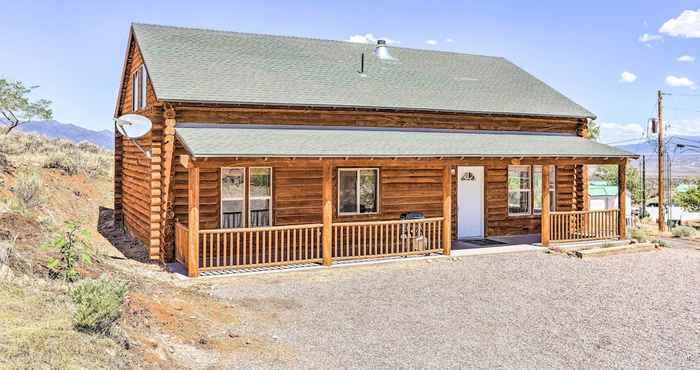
[
  {"x": 369, "y": 38},
  {"x": 646, "y": 38},
  {"x": 431, "y": 42},
  {"x": 619, "y": 132},
  {"x": 685, "y": 127},
  {"x": 686, "y": 59},
  {"x": 679, "y": 82},
  {"x": 449, "y": 40},
  {"x": 685, "y": 25},
  {"x": 628, "y": 77}
]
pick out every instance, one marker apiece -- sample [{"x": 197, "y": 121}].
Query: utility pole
[
  {"x": 644, "y": 186},
  {"x": 662, "y": 163}
]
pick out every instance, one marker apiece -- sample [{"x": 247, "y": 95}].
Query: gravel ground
[{"x": 530, "y": 310}]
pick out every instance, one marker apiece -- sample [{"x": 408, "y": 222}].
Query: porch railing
[
  {"x": 222, "y": 249},
  {"x": 181, "y": 240},
  {"x": 386, "y": 238},
  {"x": 569, "y": 226},
  {"x": 259, "y": 246}
]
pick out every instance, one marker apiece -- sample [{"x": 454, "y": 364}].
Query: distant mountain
[
  {"x": 69, "y": 131},
  {"x": 684, "y": 161}
]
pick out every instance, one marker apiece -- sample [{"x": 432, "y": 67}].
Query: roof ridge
[{"x": 393, "y": 46}]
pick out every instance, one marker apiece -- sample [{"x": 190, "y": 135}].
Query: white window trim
[
  {"x": 357, "y": 187},
  {"x": 528, "y": 191},
  {"x": 552, "y": 190},
  {"x": 244, "y": 212},
  {"x": 251, "y": 198}
]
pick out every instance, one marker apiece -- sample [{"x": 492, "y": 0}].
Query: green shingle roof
[
  {"x": 230, "y": 67},
  {"x": 211, "y": 140}
]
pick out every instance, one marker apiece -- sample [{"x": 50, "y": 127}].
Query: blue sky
[{"x": 74, "y": 49}]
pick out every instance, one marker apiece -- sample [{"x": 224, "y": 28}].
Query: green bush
[
  {"x": 72, "y": 246},
  {"x": 639, "y": 235},
  {"x": 683, "y": 231},
  {"x": 28, "y": 187},
  {"x": 98, "y": 303},
  {"x": 662, "y": 243}
]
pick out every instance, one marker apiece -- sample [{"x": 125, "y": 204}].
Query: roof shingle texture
[
  {"x": 210, "y": 140},
  {"x": 229, "y": 67}
]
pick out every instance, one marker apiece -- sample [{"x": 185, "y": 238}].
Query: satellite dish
[{"x": 133, "y": 126}]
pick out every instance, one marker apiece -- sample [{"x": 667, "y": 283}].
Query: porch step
[{"x": 592, "y": 244}]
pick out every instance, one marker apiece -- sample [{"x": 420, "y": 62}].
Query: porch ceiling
[{"x": 225, "y": 140}]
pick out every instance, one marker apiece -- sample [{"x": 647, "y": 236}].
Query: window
[
  {"x": 139, "y": 81},
  {"x": 525, "y": 190},
  {"x": 519, "y": 187},
  {"x": 357, "y": 190},
  {"x": 260, "y": 196},
  {"x": 232, "y": 197},
  {"x": 537, "y": 188}
]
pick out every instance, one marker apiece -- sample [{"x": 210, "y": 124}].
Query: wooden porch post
[
  {"x": 545, "y": 207},
  {"x": 447, "y": 210},
  {"x": 193, "y": 220},
  {"x": 622, "y": 199},
  {"x": 327, "y": 211}
]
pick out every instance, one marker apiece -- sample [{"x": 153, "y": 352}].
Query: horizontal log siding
[
  {"x": 360, "y": 118},
  {"x": 133, "y": 172},
  {"x": 135, "y": 188}
]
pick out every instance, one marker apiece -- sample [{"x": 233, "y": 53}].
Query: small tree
[
  {"x": 593, "y": 131},
  {"x": 608, "y": 173},
  {"x": 72, "y": 245},
  {"x": 690, "y": 199},
  {"x": 15, "y": 106}
]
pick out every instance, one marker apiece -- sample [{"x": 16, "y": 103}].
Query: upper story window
[
  {"x": 358, "y": 190},
  {"x": 139, "y": 81},
  {"x": 525, "y": 190}
]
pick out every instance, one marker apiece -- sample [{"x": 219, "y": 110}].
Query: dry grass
[
  {"x": 31, "y": 150},
  {"x": 36, "y": 331}
]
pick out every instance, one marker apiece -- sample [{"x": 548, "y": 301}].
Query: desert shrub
[
  {"x": 73, "y": 248},
  {"x": 683, "y": 231},
  {"x": 639, "y": 235},
  {"x": 662, "y": 243},
  {"x": 28, "y": 187},
  {"x": 64, "y": 161},
  {"x": 98, "y": 303},
  {"x": 88, "y": 147}
]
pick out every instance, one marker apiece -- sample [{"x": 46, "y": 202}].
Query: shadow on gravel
[{"x": 128, "y": 245}]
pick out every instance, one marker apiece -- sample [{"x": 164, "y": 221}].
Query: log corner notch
[
  {"x": 447, "y": 210},
  {"x": 167, "y": 226},
  {"x": 193, "y": 216},
  {"x": 544, "y": 232},
  {"x": 622, "y": 199}
]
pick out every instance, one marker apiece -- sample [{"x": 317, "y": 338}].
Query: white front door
[{"x": 470, "y": 202}]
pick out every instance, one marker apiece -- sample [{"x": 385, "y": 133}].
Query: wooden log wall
[
  {"x": 136, "y": 177},
  {"x": 367, "y": 118}
]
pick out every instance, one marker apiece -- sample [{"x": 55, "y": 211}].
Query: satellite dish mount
[{"x": 134, "y": 126}]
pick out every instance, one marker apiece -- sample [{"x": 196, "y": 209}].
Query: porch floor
[{"x": 495, "y": 245}]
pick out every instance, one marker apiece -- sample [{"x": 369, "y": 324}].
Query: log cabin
[{"x": 274, "y": 150}]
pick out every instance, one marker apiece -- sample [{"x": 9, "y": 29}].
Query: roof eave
[{"x": 377, "y": 108}]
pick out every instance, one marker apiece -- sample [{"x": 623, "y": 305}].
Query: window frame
[
  {"x": 552, "y": 188},
  {"x": 529, "y": 191},
  {"x": 251, "y": 198},
  {"x": 357, "y": 189},
  {"x": 139, "y": 83},
  {"x": 244, "y": 210}
]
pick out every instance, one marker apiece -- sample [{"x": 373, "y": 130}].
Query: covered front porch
[{"x": 301, "y": 210}]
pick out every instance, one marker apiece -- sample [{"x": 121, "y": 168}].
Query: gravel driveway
[{"x": 530, "y": 310}]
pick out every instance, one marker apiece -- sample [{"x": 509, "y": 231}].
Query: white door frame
[{"x": 462, "y": 197}]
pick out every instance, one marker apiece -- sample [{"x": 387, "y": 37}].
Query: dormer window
[{"x": 138, "y": 88}]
